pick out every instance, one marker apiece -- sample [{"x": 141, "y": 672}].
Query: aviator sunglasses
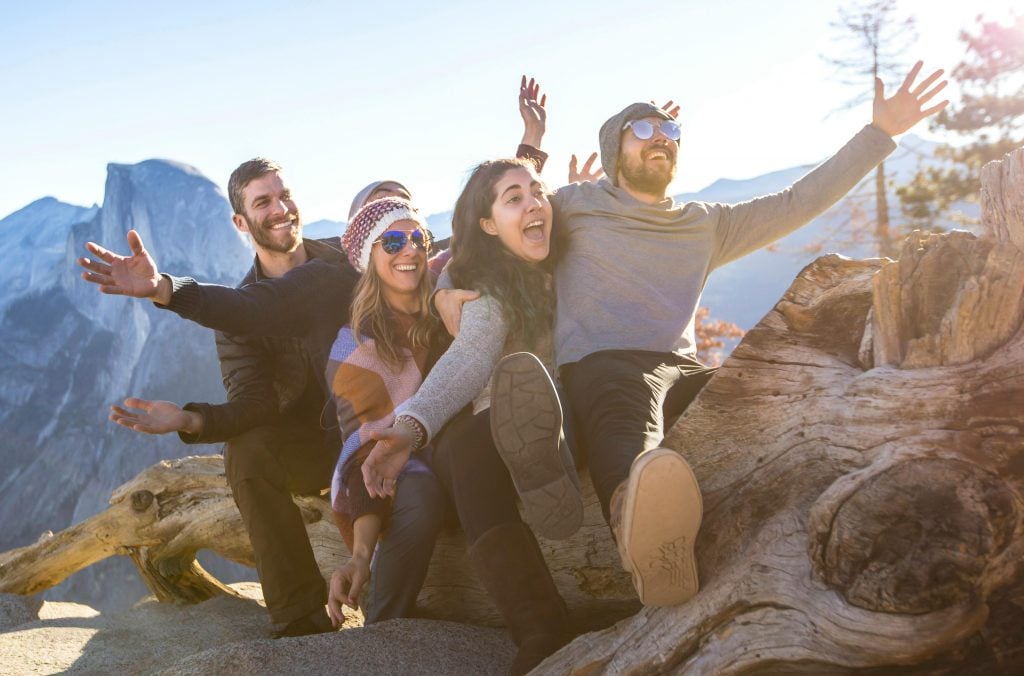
[
  {"x": 643, "y": 129},
  {"x": 393, "y": 241}
]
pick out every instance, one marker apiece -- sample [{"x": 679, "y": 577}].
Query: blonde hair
[{"x": 372, "y": 317}]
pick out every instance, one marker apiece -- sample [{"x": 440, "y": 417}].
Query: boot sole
[
  {"x": 660, "y": 520},
  {"x": 526, "y": 424}
]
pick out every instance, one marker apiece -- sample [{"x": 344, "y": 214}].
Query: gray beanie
[
  {"x": 359, "y": 201},
  {"x": 610, "y": 136}
]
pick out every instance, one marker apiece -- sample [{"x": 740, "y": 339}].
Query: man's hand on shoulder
[
  {"x": 448, "y": 303},
  {"x": 135, "y": 275}
]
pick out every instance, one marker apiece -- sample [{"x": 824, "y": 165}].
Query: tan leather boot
[{"x": 655, "y": 515}]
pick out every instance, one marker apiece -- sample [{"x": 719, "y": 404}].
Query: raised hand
[
  {"x": 905, "y": 108},
  {"x": 386, "y": 460},
  {"x": 155, "y": 417},
  {"x": 588, "y": 173},
  {"x": 135, "y": 275},
  {"x": 532, "y": 110},
  {"x": 670, "y": 108}
]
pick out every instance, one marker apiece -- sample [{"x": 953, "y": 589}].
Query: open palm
[
  {"x": 135, "y": 275},
  {"x": 905, "y": 108}
]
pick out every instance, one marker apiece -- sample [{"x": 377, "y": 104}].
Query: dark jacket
[{"x": 266, "y": 375}]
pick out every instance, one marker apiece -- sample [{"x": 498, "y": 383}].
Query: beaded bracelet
[{"x": 418, "y": 433}]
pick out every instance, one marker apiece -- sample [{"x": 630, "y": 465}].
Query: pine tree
[
  {"x": 877, "y": 36},
  {"x": 990, "y": 113}
]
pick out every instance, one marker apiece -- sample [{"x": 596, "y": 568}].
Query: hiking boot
[
  {"x": 655, "y": 516},
  {"x": 511, "y": 567},
  {"x": 526, "y": 424},
  {"x": 317, "y": 622}
]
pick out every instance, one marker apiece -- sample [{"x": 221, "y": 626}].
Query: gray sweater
[
  {"x": 462, "y": 374},
  {"x": 633, "y": 273}
]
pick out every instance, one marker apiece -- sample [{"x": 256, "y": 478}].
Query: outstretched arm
[{"x": 745, "y": 227}]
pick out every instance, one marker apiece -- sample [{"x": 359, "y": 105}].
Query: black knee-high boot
[{"x": 510, "y": 565}]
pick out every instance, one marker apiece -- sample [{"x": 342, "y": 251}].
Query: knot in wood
[
  {"x": 917, "y": 537},
  {"x": 141, "y": 500}
]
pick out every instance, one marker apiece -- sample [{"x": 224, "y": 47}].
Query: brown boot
[
  {"x": 655, "y": 515},
  {"x": 510, "y": 565},
  {"x": 526, "y": 424}
]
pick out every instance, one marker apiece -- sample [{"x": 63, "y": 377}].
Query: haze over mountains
[{"x": 68, "y": 352}]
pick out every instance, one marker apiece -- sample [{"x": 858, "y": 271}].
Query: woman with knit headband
[
  {"x": 377, "y": 361},
  {"x": 489, "y": 452}
]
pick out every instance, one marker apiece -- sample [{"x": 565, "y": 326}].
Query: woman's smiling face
[{"x": 521, "y": 215}]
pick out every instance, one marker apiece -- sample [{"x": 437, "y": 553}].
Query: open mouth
[
  {"x": 406, "y": 267},
  {"x": 659, "y": 155},
  {"x": 534, "y": 231},
  {"x": 283, "y": 225}
]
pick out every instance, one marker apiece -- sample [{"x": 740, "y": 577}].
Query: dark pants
[
  {"x": 264, "y": 467},
  {"x": 403, "y": 553},
  {"x": 467, "y": 463},
  {"x": 622, "y": 401}
]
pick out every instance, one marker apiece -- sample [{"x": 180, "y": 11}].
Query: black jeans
[
  {"x": 264, "y": 467},
  {"x": 621, "y": 401},
  {"x": 468, "y": 465}
]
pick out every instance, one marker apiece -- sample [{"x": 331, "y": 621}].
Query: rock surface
[{"x": 230, "y": 635}]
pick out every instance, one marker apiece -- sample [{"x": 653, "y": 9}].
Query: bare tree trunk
[{"x": 883, "y": 234}]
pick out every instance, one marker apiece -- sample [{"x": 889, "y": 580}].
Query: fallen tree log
[{"x": 861, "y": 454}]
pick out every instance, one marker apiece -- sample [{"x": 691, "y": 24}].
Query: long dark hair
[{"x": 480, "y": 261}]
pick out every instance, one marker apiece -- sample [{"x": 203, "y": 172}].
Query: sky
[{"x": 344, "y": 93}]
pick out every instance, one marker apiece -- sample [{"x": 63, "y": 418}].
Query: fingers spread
[{"x": 911, "y": 76}]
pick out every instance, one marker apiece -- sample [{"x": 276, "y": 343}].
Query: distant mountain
[{"x": 67, "y": 352}]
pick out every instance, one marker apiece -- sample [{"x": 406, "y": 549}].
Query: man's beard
[
  {"x": 264, "y": 237},
  {"x": 647, "y": 178}
]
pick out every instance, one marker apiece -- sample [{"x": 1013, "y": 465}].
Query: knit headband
[{"x": 371, "y": 222}]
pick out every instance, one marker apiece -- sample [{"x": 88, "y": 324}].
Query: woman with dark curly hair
[{"x": 503, "y": 247}]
